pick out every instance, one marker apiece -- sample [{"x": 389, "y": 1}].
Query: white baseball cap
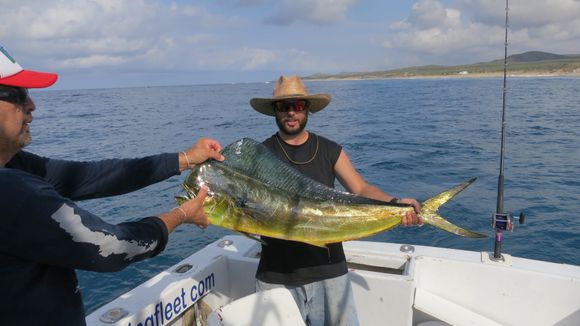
[{"x": 12, "y": 74}]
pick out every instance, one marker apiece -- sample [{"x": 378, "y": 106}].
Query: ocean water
[{"x": 411, "y": 138}]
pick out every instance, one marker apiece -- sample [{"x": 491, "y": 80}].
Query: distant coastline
[
  {"x": 537, "y": 74},
  {"x": 528, "y": 64}
]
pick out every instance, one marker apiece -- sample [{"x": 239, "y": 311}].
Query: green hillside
[{"x": 528, "y": 63}]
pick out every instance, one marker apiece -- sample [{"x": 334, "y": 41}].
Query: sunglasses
[
  {"x": 286, "y": 106},
  {"x": 14, "y": 95}
]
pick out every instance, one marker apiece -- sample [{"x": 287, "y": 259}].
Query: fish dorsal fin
[{"x": 254, "y": 159}]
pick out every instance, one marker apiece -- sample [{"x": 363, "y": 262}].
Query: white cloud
[
  {"x": 321, "y": 12},
  {"x": 474, "y": 30},
  {"x": 524, "y": 14},
  {"x": 257, "y": 58},
  {"x": 429, "y": 14},
  {"x": 229, "y": 37},
  {"x": 245, "y": 3},
  {"x": 153, "y": 36},
  {"x": 90, "y": 61},
  {"x": 83, "y": 33}
]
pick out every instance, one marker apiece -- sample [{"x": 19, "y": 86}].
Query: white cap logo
[{"x": 8, "y": 66}]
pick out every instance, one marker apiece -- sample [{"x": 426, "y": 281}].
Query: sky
[{"x": 114, "y": 43}]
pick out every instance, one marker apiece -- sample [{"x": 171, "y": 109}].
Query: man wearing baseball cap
[{"x": 45, "y": 236}]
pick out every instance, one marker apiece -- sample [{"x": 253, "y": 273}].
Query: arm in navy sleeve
[
  {"x": 85, "y": 180},
  {"x": 42, "y": 226}
]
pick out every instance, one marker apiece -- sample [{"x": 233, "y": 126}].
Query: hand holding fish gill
[
  {"x": 194, "y": 212},
  {"x": 201, "y": 151},
  {"x": 189, "y": 212}
]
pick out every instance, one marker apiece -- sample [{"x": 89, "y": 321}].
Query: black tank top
[{"x": 297, "y": 263}]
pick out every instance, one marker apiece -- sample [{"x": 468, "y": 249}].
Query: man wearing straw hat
[{"x": 316, "y": 277}]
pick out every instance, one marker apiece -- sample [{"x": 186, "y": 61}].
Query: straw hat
[{"x": 290, "y": 88}]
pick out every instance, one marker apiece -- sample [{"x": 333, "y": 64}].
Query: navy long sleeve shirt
[{"x": 45, "y": 236}]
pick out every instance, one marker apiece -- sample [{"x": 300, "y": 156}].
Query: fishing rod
[{"x": 501, "y": 220}]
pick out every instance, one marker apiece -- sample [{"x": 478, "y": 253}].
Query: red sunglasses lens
[{"x": 285, "y": 106}]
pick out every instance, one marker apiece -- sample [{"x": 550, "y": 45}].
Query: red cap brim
[{"x": 30, "y": 79}]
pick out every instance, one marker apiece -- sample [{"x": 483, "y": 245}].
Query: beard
[
  {"x": 292, "y": 131},
  {"x": 11, "y": 143},
  {"x": 25, "y": 138},
  {"x": 26, "y": 141}
]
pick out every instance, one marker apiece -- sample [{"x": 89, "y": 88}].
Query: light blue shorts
[{"x": 329, "y": 302}]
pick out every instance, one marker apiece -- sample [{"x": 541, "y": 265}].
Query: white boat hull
[{"x": 413, "y": 286}]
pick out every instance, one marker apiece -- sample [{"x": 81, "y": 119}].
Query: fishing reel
[{"x": 503, "y": 222}]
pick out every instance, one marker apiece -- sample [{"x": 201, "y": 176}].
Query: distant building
[{"x": 464, "y": 72}]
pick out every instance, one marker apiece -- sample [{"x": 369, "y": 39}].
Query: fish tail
[{"x": 430, "y": 206}]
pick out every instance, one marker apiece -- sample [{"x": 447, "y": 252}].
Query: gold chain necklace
[{"x": 297, "y": 162}]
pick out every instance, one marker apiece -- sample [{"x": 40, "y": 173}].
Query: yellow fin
[
  {"x": 430, "y": 206},
  {"x": 318, "y": 244}
]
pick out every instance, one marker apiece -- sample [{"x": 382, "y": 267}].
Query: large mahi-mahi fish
[{"x": 254, "y": 192}]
